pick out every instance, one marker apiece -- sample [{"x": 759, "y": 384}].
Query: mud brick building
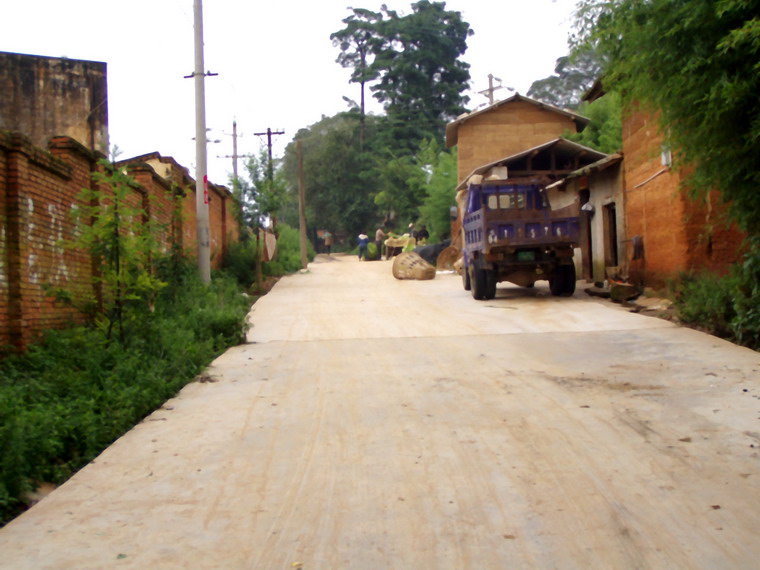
[
  {"x": 672, "y": 231},
  {"x": 506, "y": 128},
  {"x": 639, "y": 222}
]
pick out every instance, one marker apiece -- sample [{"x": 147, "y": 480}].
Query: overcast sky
[{"x": 275, "y": 61}]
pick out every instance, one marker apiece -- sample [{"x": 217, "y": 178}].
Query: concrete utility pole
[
  {"x": 234, "y": 156},
  {"x": 201, "y": 176},
  {"x": 301, "y": 205}
]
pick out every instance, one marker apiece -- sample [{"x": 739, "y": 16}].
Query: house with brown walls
[
  {"x": 506, "y": 128},
  {"x": 639, "y": 222},
  {"x": 671, "y": 230}
]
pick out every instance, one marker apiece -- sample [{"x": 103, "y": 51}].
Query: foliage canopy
[
  {"x": 696, "y": 64},
  {"x": 413, "y": 62},
  {"x": 573, "y": 75}
]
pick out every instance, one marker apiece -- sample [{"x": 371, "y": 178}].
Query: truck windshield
[
  {"x": 518, "y": 197},
  {"x": 511, "y": 198}
]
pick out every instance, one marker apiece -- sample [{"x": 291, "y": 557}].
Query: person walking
[
  {"x": 328, "y": 242},
  {"x": 363, "y": 242},
  {"x": 379, "y": 237}
]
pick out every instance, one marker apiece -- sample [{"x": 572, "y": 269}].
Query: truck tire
[
  {"x": 562, "y": 281},
  {"x": 466, "y": 278},
  {"x": 569, "y": 279},
  {"x": 490, "y": 291},
  {"x": 556, "y": 283},
  {"x": 478, "y": 282}
]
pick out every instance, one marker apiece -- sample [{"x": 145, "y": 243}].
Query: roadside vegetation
[
  {"x": 153, "y": 326},
  {"x": 71, "y": 395},
  {"x": 727, "y": 306}
]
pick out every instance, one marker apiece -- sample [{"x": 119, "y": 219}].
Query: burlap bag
[{"x": 409, "y": 265}]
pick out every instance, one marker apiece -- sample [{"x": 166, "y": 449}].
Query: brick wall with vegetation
[{"x": 39, "y": 192}]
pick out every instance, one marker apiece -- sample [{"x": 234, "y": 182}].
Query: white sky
[{"x": 275, "y": 61}]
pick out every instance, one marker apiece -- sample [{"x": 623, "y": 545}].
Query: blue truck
[{"x": 518, "y": 230}]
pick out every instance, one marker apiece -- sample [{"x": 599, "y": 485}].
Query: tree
[
  {"x": 604, "y": 132},
  {"x": 415, "y": 66},
  {"x": 573, "y": 76},
  {"x": 400, "y": 186},
  {"x": 263, "y": 194},
  {"x": 124, "y": 245},
  {"x": 339, "y": 177},
  {"x": 440, "y": 168},
  {"x": 696, "y": 65},
  {"x": 355, "y": 42}
]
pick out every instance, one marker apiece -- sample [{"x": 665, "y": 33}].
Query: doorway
[{"x": 610, "y": 236}]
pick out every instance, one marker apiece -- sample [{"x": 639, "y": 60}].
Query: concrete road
[{"x": 376, "y": 423}]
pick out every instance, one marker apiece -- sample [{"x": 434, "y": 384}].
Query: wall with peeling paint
[{"x": 52, "y": 96}]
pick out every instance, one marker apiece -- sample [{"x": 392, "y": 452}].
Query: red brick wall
[
  {"x": 189, "y": 223},
  {"x": 38, "y": 191},
  {"x": 158, "y": 203},
  {"x": 678, "y": 233},
  {"x": 217, "y": 229},
  {"x": 714, "y": 243},
  {"x": 4, "y": 315}
]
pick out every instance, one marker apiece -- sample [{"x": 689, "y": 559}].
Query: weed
[
  {"x": 726, "y": 306},
  {"x": 73, "y": 394}
]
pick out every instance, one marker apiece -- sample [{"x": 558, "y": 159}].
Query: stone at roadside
[{"x": 621, "y": 292}]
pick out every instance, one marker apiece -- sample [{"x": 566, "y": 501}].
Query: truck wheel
[
  {"x": 556, "y": 281},
  {"x": 569, "y": 280},
  {"x": 466, "y": 279},
  {"x": 478, "y": 283},
  {"x": 490, "y": 291},
  {"x": 562, "y": 281}
]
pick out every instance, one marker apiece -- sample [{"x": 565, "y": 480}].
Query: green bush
[
  {"x": 240, "y": 261},
  {"x": 727, "y": 306},
  {"x": 240, "y": 258},
  {"x": 288, "y": 258},
  {"x": 705, "y": 300},
  {"x": 74, "y": 393}
]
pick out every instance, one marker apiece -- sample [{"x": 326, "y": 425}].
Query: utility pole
[
  {"x": 269, "y": 133},
  {"x": 201, "y": 175},
  {"x": 489, "y": 92},
  {"x": 270, "y": 167},
  {"x": 301, "y": 205},
  {"x": 234, "y": 156}
]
